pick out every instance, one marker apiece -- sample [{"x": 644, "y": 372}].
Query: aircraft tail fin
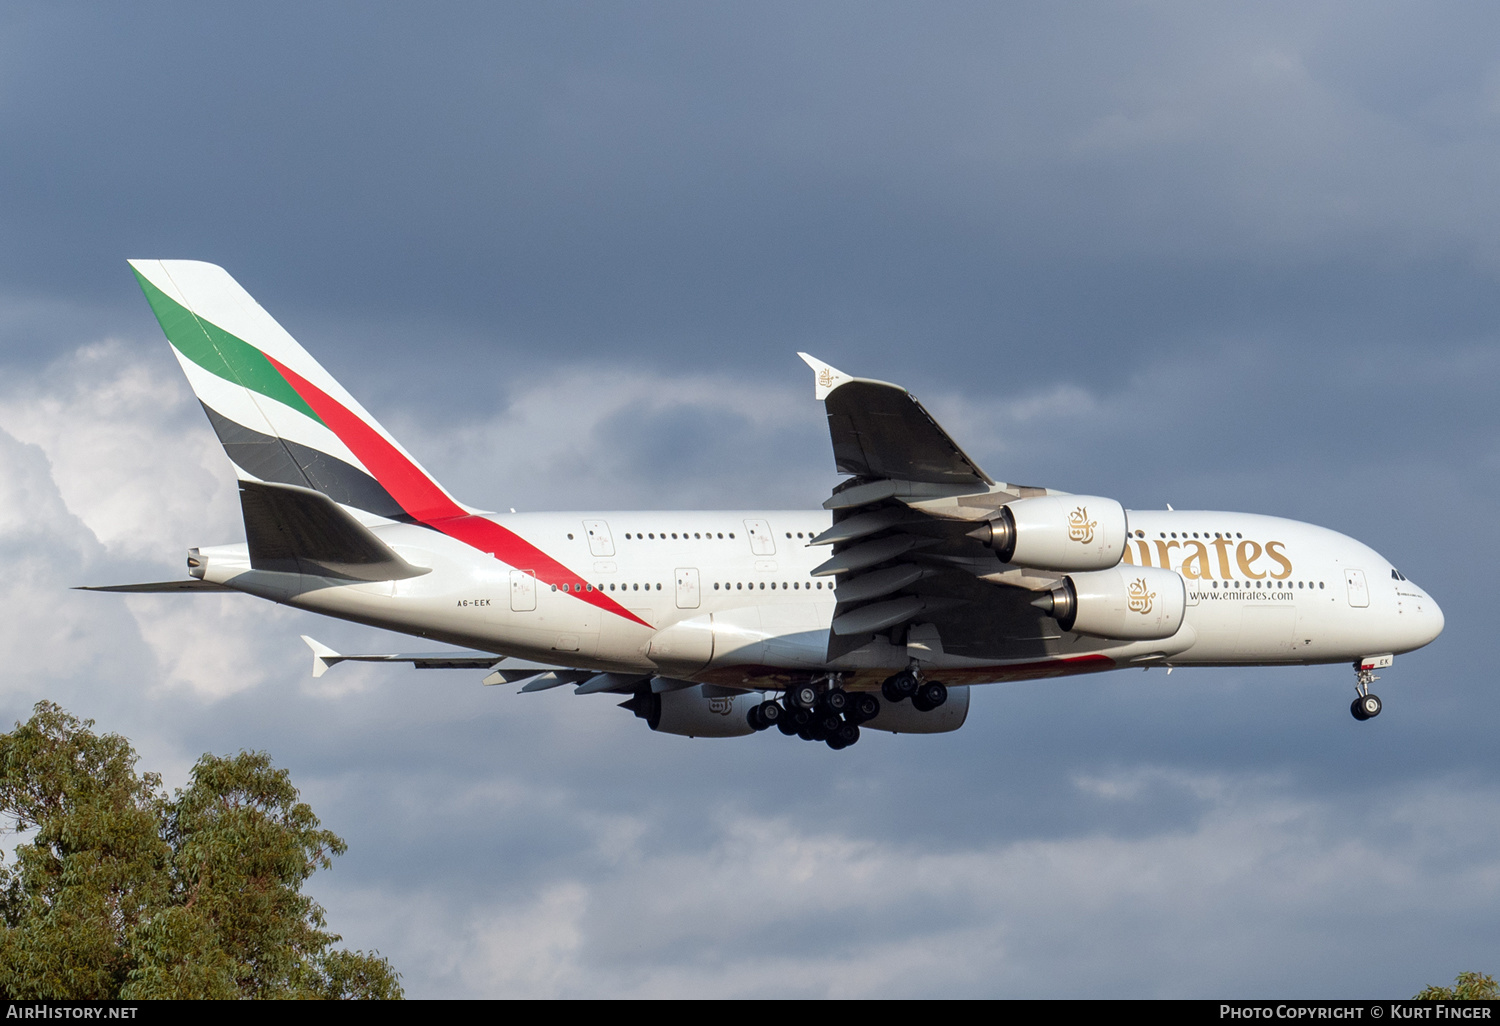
[{"x": 281, "y": 417}]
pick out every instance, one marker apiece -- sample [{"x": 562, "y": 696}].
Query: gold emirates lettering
[{"x": 1198, "y": 561}]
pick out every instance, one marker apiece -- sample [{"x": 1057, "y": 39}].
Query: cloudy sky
[{"x": 1221, "y": 256}]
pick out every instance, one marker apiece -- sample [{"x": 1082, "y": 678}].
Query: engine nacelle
[
  {"x": 692, "y": 713},
  {"x": 903, "y": 718},
  {"x": 1134, "y": 603},
  {"x": 1058, "y": 532}
]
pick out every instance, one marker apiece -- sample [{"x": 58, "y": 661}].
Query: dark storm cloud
[{"x": 1010, "y": 188}]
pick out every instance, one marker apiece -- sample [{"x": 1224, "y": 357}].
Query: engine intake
[
  {"x": 1058, "y": 532},
  {"x": 1137, "y": 603}
]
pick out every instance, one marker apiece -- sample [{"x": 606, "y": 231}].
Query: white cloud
[
  {"x": 573, "y": 441},
  {"x": 1258, "y": 894},
  {"x": 129, "y": 448},
  {"x": 43, "y": 549}
]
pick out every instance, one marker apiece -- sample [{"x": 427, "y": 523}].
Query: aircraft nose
[{"x": 1433, "y": 616}]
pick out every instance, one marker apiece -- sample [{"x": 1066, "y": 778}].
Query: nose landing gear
[{"x": 1365, "y": 705}]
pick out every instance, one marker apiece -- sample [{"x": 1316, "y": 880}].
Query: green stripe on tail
[{"x": 219, "y": 352}]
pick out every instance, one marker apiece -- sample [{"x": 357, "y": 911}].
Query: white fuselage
[{"x": 729, "y": 598}]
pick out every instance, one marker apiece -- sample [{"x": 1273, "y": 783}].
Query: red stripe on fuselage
[{"x": 421, "y": 497}]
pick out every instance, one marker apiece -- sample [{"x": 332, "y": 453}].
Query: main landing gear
[
  {"x": 925, "y": 695},
  {"x": 831, "y": 714},
  {"x": 1365, "y": 705},
  {"x": 824, "y": 711}
]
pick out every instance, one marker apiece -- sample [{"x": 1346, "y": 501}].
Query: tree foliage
[
  {"x": 1467, "y": 987},
  {"x": 124, "y": 892}
]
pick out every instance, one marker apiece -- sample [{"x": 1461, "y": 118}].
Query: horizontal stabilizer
[
  {"x": 190, "y": 584},
  {"x": 324, "y": 657},
  {"x": 299, "y": 531}
]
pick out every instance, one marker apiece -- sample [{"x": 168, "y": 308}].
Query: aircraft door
[
  {"x": 688, "y": 593},
  {"x": 522, "y": 591},
  {"x": 762, "y": 543},
  {"x": 601, "y": 542},
  {"x": 1359, "y": 591}
]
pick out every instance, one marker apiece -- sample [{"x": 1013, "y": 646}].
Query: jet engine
[
  {"x": 903, "y": 718},
  {"x": 1058, "y": 532},
  {"x": 1136, "y": 603},
  {"x": 692, "y": 712}
]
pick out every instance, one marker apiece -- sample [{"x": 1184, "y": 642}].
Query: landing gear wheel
[
  {"x": 835, "y": 700},
  {"x": 803, "y": 696},
  {"x": 1365, "y": 707},
  {"x": 899, "y": 687},
  {"x": 863, "y": 707},
  {"x": 845, "y": 736},
  {"x": 828, "y": 723},
  {"x": 768, "y": 714},
  {"x": 930, "y": 695}
]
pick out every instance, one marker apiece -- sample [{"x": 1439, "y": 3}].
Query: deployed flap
[
  {"x": 541, "y": 681},
  {"x": 512, "y": 671},
  {"x": 300, "y": 531},
  {"x": 880, "y": 431},
  {"x": 621, "y": 683}
]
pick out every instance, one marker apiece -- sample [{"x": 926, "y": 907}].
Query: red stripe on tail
[{"x": 421, "y": 497}]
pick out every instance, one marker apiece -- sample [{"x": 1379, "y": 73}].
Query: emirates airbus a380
[{"x": 919, "y": 577}]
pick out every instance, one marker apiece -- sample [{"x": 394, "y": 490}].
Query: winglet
[
  {"x": 828, "y": 377},
  {"x": 323, "y": 656}
]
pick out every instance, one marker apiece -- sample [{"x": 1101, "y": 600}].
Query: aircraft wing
[{"x": 906, "y": 549}]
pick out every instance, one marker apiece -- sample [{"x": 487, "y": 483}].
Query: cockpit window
[{"x": 1397, "y": 575}]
